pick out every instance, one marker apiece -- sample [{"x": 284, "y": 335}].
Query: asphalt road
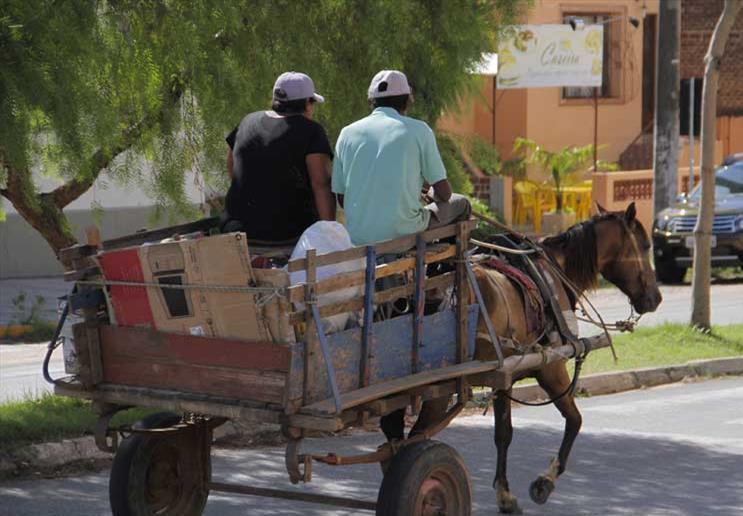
[
  {"x": 20, "y": 370},
  {"x": 673, "y": 450},
  {"x": 20, "y": 365}
]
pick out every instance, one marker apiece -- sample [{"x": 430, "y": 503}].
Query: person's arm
[
  {"x": 432, "y": 166},
  {"x": 442, "y": 190},
  {"x": 318, "y": 168},
  {"x": 230, "y": 165}
]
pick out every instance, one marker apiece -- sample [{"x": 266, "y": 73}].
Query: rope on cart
[{"x": 271, "y": 291}]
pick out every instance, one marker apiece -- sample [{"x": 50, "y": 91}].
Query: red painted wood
[
  {"x": 142, "y": 343},
  {"x": 130, "y": 304},
  {"x": 232, "y": 383}
]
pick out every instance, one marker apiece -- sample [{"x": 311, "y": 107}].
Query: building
[{"x": 624, "y": 114}]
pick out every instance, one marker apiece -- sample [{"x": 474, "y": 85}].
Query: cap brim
[{"x": 318, "y": 98}]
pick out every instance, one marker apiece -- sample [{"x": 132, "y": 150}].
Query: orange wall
[{"x": 541, "y": 114}]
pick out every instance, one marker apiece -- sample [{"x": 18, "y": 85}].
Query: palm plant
[{"x": 560, "y": 164}]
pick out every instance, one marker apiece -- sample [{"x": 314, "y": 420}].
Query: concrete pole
[{"x": 666, "y": 143}]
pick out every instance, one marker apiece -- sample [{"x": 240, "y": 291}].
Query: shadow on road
[{"x": 608, "y": 474}]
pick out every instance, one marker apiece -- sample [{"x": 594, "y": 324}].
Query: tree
[
  {"x": 700, "y": 312},
  {"x": 93, "y": 86},
  {"x": 559, "y": 164}
]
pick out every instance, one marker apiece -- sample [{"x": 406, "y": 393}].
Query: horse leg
[
  {"x": 554, "y": 379},
  {"x": 507, "y": 502}
]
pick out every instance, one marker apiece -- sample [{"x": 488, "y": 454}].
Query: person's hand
[{"x": 427, "y": 194}]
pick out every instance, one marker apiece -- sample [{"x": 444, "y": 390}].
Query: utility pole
[{"x": 666, "y": 142}]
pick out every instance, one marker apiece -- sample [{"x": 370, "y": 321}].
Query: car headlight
[
  {"x": 739, "y": 223},
  {"x": 662, "y": 223}
]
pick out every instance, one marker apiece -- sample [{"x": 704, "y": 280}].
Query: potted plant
[{"x": 560, "y": 165}]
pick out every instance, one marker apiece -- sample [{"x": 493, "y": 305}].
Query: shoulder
[{"x": 416, "y": 125}]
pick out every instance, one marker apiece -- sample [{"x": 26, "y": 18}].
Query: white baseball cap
[
  {"x": 295, "y": 86},
  {"x": 389, "y": 83}
]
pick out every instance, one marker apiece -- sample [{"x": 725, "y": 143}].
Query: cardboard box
[{"x": 221, "y": 260}]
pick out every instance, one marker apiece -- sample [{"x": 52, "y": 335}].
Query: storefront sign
[{"x": 540, "y": 56}]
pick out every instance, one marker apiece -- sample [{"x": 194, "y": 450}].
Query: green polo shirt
[{"x": 380, "y": 164}]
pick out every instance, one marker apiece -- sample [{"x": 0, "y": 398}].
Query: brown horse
[{"x": 611, "y": 244}]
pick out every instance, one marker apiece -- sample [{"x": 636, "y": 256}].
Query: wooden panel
[
  {"x": 233, "y": 383},
  {"x": 390, "y": 351},
  {"x": 390, "y": 246},
  {"x": 374, "y": 392},
  {"x": 191, "y": 350},
  {"x": 203, "y": 365}
]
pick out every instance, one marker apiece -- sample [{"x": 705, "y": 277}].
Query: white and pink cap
[{"x": 295, "y": 86}]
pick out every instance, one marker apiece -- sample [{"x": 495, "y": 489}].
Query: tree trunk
[
  {"x": 700, "y": 313},
  {"x": 666, "y": 141}
]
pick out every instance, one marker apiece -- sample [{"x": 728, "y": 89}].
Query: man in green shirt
[{"x": 382, "y": 164}]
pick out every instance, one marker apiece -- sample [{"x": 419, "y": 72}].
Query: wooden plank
[
  {"x": 310, "y": 336},
  {"x": 189, "y": 349},
  {"x": 357, "y": 303},
  {"x": 158, "y": 234},
  {"x": 216, "y": 381},
  {"x": 356, "y": 278},
  {"x": 387, "y": 405},
  {"x": 463, "y": 296},
  {"x": 374, "y": 392},
  {"x": 389, "y": 246},
  {"x": 176, "y": 401}
]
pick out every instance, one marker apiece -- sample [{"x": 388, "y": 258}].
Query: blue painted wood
[
  {"x": 390, "y": 353},
  {"x": 368, "y": 329},
  {"x": 329, "y": 367},
  {"x": 419, "y": 299}
]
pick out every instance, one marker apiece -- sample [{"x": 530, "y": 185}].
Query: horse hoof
[
  {"x": 508, "y": 504},
  {"x": 541, "y": 489}
]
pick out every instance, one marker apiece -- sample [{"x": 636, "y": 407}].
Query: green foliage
[
  {"x": 455, "y": 171},
  {"x": 484, "y": 155},
  {"x": 559, "y": 164},
  {"x": 83, "y": 82}
]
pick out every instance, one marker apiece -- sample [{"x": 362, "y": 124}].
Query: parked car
[{"x": 672, "y": 229}]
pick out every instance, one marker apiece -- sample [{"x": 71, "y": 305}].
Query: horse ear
[
  {"x": 631, "y": 212},
  {"x": 601, "y": 209}
]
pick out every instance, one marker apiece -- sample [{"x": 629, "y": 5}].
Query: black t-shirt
[{"x": 271, "y": 195}]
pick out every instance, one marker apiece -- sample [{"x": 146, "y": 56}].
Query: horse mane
[{"x": 578, "y": 246}]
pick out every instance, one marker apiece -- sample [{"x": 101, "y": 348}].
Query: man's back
[
  {"x": 270, "y": 191},
  {"x": 381, "y": 164}
]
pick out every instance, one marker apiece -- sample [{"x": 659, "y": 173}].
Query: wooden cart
[{"x": 321, "y": 383}]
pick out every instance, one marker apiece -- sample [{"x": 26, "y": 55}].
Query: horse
[{"x": 611, "y": 244}]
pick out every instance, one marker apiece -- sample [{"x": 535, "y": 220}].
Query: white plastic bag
[{"x": 327, "y": 237}]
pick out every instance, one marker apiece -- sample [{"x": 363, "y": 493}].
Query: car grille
[{"x": 722, "y": 224}]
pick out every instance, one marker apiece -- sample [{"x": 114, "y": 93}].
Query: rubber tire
[
  {"x": 669, "y": 273},
  {"x": 131, "y": 464},
  {"x": 410, "y": 467}
]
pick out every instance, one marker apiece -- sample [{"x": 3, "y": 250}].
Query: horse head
[
  {"x": 623, "y": 255},
  {"x": 615, "y": 245}
]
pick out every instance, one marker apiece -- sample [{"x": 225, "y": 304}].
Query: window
[{"x": 610, "y": 77}]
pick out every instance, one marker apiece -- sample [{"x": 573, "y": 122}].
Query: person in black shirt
[{"x": 279, "y": 163}]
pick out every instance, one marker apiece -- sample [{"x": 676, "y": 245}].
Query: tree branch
[{"x": 102, "y": 158}]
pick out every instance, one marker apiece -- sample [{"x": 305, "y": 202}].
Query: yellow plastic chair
[{"x": 526, "y": 201}]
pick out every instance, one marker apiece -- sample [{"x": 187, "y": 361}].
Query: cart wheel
[
  {"x": 426, "y": 479},
  {"x": 159, "y": 474}
]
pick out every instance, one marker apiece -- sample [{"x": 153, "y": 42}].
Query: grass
[
  {"x": 51, "y": 418},
  {"x": 668, "y": 344}
]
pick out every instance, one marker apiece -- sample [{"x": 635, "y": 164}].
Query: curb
[
  {"x": 54, "y": 454},
  {"x": 610, "y": 383}
]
